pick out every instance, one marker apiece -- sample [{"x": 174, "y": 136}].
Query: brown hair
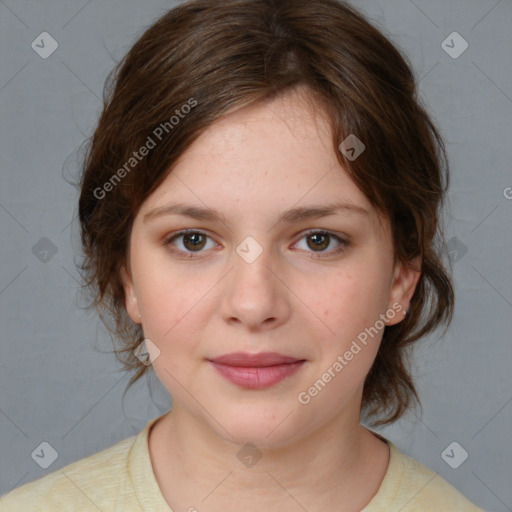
[{"x": 217, "y": 56}]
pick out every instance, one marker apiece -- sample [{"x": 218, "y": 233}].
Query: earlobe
[
  {"x": 405, "y": 279},
  {"x": 130, "y": 297}
]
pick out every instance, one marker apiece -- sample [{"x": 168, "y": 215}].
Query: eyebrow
[{"x": 289, "y": 216}]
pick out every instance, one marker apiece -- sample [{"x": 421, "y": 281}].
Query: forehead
[
  {"x": 295, "y": 117},
  {"x": 261, "y": 160}
]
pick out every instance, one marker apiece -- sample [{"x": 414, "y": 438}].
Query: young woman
[{"x": 259, "y": 210}]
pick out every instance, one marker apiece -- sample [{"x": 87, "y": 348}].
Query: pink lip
[{"x": 256, "y": 371}]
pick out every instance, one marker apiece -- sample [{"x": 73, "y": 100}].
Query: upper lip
[{"x": 262, "y": 359}]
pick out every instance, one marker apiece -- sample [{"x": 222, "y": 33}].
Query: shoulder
[
  {"x": 91, "y": 483},
  {"x": 411, "y": 486}
]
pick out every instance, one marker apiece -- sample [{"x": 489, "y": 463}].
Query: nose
[{"x": 254, "y": 296}]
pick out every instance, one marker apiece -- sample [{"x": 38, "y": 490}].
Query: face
[{"x": 264, "y": 268}]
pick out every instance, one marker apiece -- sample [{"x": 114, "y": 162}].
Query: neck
[{"x": 197, "y": 468}]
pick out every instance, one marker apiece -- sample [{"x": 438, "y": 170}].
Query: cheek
[
  {"x": 352, "y": 300},
  {"x": 346, "y": 353},
  {"x": 351, "y": 310},
  {"x": 174, "y": 312},
  {"x": 163, "y": 294}
]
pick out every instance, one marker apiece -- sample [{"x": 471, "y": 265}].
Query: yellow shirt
[{"x": 121, "y": 479}]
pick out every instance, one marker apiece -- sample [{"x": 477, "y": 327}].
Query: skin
[{"x": 295, "y": 299}]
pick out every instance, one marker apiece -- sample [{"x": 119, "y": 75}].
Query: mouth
[{"x": 256, "y": 371}]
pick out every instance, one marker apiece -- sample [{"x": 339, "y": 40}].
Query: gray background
[{"x": 58, "y": 383}]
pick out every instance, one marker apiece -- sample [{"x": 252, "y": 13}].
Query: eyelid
[
  {"x": 173, "y": 236},
  {"x": 343, "y": 241},
  {"x": 335, "y": 234}
]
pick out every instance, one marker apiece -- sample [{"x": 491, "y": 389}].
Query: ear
[
  {"x": 405, "y": 279},
  {"x": 130, "y": 298}
]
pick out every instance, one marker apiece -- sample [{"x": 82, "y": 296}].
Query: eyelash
[{"x": 317, "y": 254}]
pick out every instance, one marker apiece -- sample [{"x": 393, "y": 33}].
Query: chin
[{"x": 263, "y": 429}]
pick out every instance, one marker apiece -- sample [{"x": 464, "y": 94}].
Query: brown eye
[
  {"x": 319, "y": 241},
  {"x": 188, "y": 242},
  {"x": 194, "y": 241}
]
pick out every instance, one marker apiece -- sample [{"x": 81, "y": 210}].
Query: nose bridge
[
  {"x": 252, "y": 265},
  {"x": 254, "y": 293}
]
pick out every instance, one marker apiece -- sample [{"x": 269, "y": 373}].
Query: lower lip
[{"x": 257, "y": 377}]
